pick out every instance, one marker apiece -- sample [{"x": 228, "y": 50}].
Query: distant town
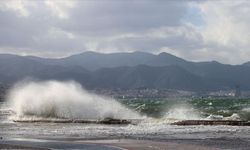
[
  {"x": 156, "y": 93},
  {"x": 169, "y": 93}
]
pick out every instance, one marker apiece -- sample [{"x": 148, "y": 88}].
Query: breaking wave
[
  {"x": 182, "y": 112},
  {"x": 54, "y": 99},
  {"x": 68, "y": 100},
  {"x": 188, "y": 112}
]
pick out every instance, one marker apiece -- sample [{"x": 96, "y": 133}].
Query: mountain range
[{"x": 127, "y": 71}]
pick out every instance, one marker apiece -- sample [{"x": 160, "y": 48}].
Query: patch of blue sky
[{"x": 194, "y": 16}]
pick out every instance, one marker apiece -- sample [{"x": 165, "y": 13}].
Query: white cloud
[
  {"x": 204, "y": 30},
  {"x": 18, "y": 6},
  {"x": 59, "y": 33},
  {"x": 60, "y": 8},
  {"x": 227, "y": 26},
  {"x": 227, "y": 22},
  {"x": 224, "y": 34}
]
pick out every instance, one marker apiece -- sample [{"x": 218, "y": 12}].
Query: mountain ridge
[{"x": 127, "y": 70}]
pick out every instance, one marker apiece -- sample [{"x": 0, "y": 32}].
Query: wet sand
[
  {"x": 38, "y": 144},
  {"x": 121, "y": 144},
  {"x": 130, "y": 144},
  {"x": 12, "y": 146}
]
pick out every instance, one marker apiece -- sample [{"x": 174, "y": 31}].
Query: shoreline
[
  {"x": 95, "y": 144},
  {"x": 131, "y": 144}
]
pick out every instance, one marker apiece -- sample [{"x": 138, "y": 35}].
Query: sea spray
[
  {"x": 244, "y": 113},
  {"x": 182, "y": 112},
  {"x": 54, "y": 99}
]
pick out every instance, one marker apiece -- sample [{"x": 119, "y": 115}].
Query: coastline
[{"x": 105, "y": 144}]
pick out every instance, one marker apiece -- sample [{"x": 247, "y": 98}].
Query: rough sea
[{"x": 32, "y": 101}]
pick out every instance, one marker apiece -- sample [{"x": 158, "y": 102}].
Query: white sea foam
[
  {"x": 182, "y": 112},
  {"x": 54, "y": 99}
]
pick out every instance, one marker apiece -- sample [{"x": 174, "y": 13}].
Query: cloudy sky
[{"x": 194, "y": 30}]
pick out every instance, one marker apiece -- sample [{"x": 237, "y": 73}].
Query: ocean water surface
[{"x": 32, "y": 102}]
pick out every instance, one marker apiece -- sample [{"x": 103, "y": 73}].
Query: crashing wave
[{"x": 66, "y": 100}]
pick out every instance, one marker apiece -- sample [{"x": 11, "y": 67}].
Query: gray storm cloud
[{"x": 193, "y": 30}]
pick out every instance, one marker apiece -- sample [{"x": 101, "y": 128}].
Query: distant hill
[
  {"x": 167, "y": 77},
  {"x": 247, "y": 63},
  {"x": 127, "y": 70},
  {"x": 94, "y": 61}
]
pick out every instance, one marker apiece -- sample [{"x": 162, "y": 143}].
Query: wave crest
[{"x": 54, "y": 99}]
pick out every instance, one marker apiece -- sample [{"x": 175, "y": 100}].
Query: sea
[{"x": 56, "y": 100}]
